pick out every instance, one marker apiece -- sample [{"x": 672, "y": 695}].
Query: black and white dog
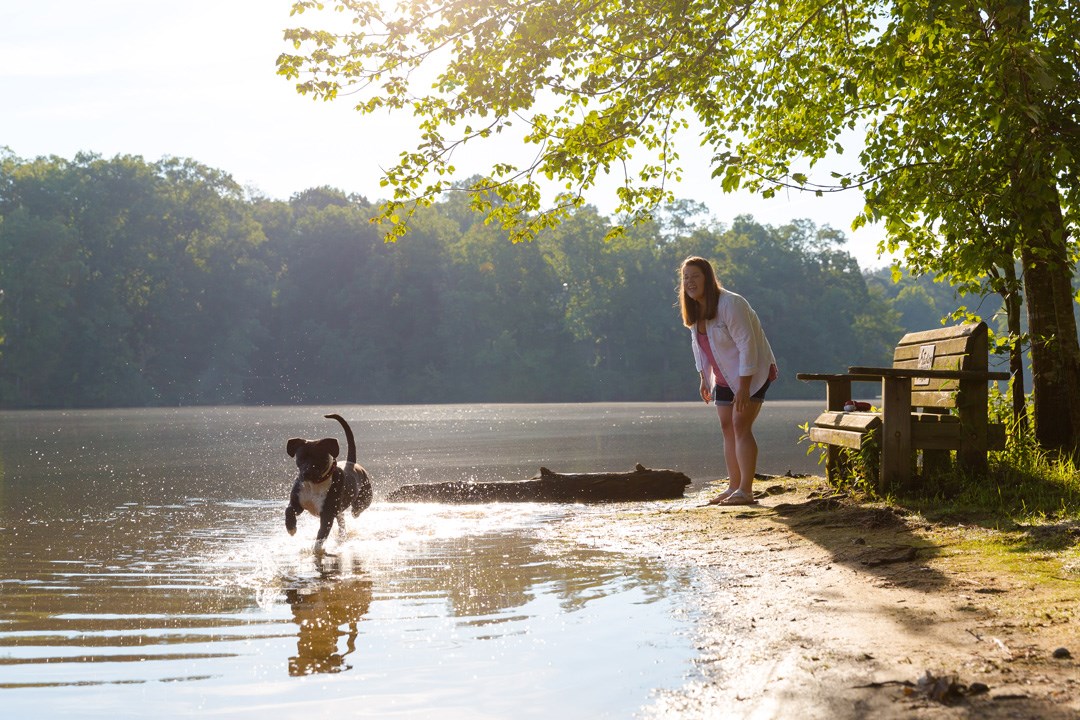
[{"x": 325, "y": 487}]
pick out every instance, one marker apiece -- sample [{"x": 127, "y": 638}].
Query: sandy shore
[{"x": 807, "y": 605}]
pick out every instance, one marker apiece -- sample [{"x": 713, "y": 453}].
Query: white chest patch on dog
[{"x": 313, "y": 496}]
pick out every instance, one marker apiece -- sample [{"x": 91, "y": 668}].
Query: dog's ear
[
  {"x": 331, "y": 446},
  {"x": 293, "y": 445}
]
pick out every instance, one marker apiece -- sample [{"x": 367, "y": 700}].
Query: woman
[{"x": 735, "y": 364}]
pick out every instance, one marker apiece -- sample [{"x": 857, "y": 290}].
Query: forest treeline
[{"x": 125, "y": 282}]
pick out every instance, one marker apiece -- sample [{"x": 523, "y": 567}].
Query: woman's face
[{"x": 693, "y": 283}]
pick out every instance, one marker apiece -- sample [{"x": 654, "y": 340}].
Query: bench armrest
[
  {"x": 880, "y": 372},
  {"x": 856, "y": 377}
]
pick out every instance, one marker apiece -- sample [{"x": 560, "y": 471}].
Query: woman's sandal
[
  {"x": 738, "y": 498},
  {"x": 719, "y": 499}
]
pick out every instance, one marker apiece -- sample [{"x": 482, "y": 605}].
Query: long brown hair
[{"x": 690, "y": 308}]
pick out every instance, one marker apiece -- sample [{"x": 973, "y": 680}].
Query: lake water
[{"x": 146, "y": 569}]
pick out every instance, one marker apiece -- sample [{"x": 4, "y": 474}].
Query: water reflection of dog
[{"x": 325, "y": 613}]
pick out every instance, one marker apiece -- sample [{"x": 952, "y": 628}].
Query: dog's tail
[{"x": 351, "y": 457}]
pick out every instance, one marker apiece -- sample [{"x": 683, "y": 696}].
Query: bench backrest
[{"x": 958, "y": 347}]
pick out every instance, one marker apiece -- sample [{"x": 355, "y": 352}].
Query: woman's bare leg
[
  {"x": 740, "y": 445},
  {"x": 731, "y": 455},
  {"x": 746, "y": 448}
]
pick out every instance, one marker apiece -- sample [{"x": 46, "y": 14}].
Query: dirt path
[{"x": 811, "y": 606}]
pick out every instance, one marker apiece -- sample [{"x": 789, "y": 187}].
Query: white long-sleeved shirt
[{"x": 738, "y": 343}]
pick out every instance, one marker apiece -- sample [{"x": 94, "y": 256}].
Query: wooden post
[
  {"x": 972, "y": 400},
  {"x": 837, "y": 392},
  {"x": 895, "y": 433}
]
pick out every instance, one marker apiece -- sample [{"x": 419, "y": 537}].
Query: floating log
[{"x": 639, "y": 484}]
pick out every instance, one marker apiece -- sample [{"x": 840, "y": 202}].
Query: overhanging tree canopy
[{"x": 963, "y": 116}]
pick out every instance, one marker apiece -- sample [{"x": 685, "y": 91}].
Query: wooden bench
[{"x": 933, "y": 399}]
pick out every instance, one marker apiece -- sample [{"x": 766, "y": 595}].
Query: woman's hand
[
  {"x": 704, "y": 391},
  {"x": 742, "y": 395}
]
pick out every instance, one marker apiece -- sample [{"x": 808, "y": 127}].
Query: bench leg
[
  {"x": 837, "y": 392},
  {"x": 971, "y": 406},
  {"x": 896, "y": 469}
]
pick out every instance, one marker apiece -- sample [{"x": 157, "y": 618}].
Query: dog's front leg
[
  {"x": 326, "y": 521},
  {"x": 292, "y": 510}
]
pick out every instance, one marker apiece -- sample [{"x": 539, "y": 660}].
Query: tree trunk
[{"x": 1055, "y": 350}]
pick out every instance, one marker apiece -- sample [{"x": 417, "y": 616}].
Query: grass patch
[{"x": 1024, "y": 486}]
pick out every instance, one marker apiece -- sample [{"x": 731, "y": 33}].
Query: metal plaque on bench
[{"x": 926, "y": 362}]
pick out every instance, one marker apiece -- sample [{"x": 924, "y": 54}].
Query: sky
[{"x": 197, "y": 79}]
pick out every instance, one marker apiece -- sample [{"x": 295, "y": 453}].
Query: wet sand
[{"x": 808, "y": 605}]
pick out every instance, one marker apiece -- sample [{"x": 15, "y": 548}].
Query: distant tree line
[{"x": 130, "y": 283}]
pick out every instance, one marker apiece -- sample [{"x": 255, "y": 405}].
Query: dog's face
[{"x": 314, "y": 458}]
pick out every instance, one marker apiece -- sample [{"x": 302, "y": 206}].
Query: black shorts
[{"x": 723, "y": 395}]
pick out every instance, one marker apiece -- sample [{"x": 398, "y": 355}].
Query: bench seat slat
[
  {"x": 832, "y": 436},
  {"x": 861, "y": 421},
  {"x": 928, "y": 431},
  {"x": 928, "y": 417}
]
